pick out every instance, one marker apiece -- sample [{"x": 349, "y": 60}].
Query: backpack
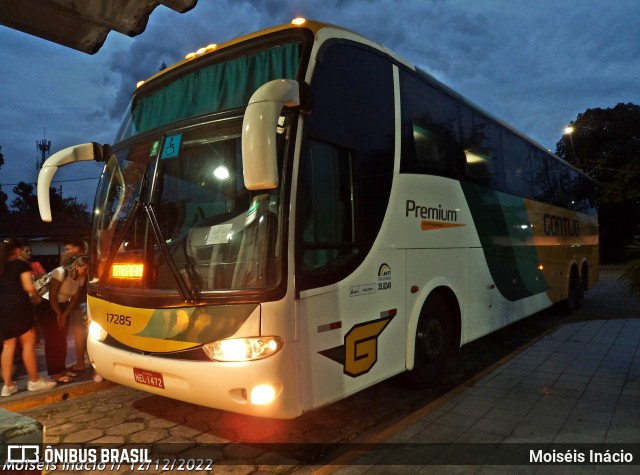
[{"x": 42, "y": 284}]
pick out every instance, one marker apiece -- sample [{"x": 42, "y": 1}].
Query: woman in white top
[{"x": 64, "y": 291}]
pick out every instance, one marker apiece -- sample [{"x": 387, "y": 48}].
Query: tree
[
  {"x": 23, "y": 216},
  {"x": 26, "y": 202},
  {"x": 68, "y": 207},
  {"x": 605, "y": 144}
]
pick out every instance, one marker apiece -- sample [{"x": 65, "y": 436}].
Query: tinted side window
[
  {"x": 583, "y": 195},
  {"x": 558, "y": 184},
  {"x": 517, "y": 172},
  {"x": 430, "y": 130},
  {"x": 548, "y": 176},
  {"x": 482, "y": 149},
  {"x": 346, "y": 163},
  {"x": 328, "y": 238}
]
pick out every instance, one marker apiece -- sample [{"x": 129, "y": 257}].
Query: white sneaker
[
  {"x": 9, "y": 390},
  {"x": 40, "y": 385}
]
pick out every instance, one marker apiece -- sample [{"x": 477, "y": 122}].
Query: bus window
[
  {"x": 553, "y": 180},
  {"x": 583, "y": 193},
  {"x": 348, "y": 148},
  {"x": 430, "y": 132},
  {"x": 481, "y": 142},
  {"x": 543, "y": 175},
  {"x": 119, "y": 190},
  {"x": 516, "y": 156},
  {"x": 328, "y": 234}
]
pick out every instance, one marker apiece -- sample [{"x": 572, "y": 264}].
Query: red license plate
[{"x": 150, "y": 378}]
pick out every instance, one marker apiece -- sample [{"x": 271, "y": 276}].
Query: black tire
[
  {"x": 576, "y": 295},
  {"x": 433, "y": 343}
]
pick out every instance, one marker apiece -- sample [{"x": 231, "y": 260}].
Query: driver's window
[{"x": 327, "y": 217}]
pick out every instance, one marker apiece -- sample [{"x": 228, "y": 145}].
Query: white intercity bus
[{"x": 298, "y": 214}]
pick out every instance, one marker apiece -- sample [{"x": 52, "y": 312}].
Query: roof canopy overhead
[{"x": 83, "y": 24}]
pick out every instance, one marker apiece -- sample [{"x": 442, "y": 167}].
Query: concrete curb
[{"x": 58, "y": 394}]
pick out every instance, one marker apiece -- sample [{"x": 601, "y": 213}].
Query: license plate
[{"x": 150, "y": 378}]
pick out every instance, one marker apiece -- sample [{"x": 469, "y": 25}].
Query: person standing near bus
[
  {"x": 77, "y": 316},
  {"x": 72, "y": 248},
  {"x": 65, "y": 290},
  {"x": 38, "y": 271},
  {"x": 18, "y": 293},
  {"x": 36, "y": 268}
]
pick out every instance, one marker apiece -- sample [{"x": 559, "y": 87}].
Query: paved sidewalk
[{"x": 577, "y": 385}]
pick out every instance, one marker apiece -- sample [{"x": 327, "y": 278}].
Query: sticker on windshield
[
  {"x": 171, "y": 147},
  {"x": 220, "y": 234},
  {"x": 251, "y": 214},
  {"x": 154, "y": 149}
]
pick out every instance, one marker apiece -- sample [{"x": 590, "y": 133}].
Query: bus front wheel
[{"x": 433, "y": 343}]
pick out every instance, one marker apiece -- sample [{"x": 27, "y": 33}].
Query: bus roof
[{"x": 315, "y": 27}]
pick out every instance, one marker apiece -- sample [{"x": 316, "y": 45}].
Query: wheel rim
[{"x": 432, "y": 340}]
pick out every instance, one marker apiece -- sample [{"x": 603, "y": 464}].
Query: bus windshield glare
[{"x": 174, "y": 214}]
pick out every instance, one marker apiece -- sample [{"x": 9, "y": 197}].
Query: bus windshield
[{"x": 172, "y": 214}]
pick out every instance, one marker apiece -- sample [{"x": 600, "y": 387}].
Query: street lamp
[{"x": 569, "y": 131}]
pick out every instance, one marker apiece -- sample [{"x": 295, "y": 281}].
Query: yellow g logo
[
  {"x": 360, "y": 350},
  {"x": 361, "y": 345}
]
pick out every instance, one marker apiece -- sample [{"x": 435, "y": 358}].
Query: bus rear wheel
[
  {"x": 433, "y": 343},
  {"x": 576, "y": 294}
]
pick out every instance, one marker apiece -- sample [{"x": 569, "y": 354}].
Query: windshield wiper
[{"x": 190, "y": 295}]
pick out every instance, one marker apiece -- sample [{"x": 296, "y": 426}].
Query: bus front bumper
[{"x": 241, "y": 387}]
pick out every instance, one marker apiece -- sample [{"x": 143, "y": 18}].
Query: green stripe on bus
[{"x": 505, "y": 235}]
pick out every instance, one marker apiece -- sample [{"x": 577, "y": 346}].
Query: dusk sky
[{"x": 535, "y": 64}]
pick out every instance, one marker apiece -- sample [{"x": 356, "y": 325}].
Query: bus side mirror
[
  {"x": 477, "y": 167},
  {"x": 78, "y": 153},
  {"x": 259, "y": 154}
]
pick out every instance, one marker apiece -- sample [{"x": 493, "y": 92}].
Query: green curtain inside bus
[{"x": 214, "y": 88}]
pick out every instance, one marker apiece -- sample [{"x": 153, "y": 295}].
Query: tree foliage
[
  {"x": 24, "y": 207},
  {"x": 605, "y": 144},
  {"x": 26, "y": 203}
]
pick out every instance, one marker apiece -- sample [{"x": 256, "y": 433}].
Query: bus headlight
[
  {"x": 96, "y": 331},
  {"x": 243, "y": 349}
]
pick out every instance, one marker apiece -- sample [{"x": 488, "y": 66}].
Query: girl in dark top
[{"x": 17, "y": 297}]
